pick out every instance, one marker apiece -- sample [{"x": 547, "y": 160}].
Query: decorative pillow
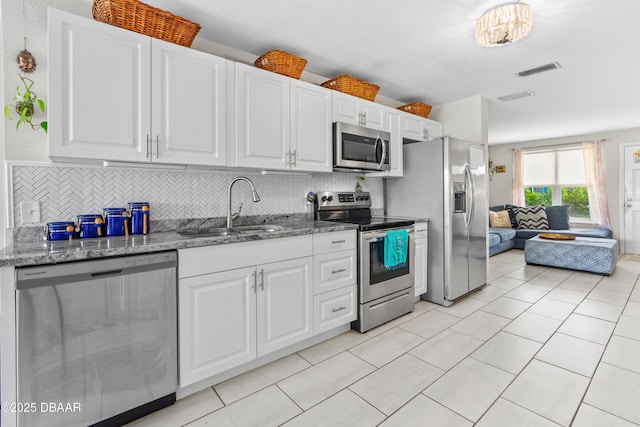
[
  {"x": 558, "y": 217},
  {"x": 531, "y": 218},
  {"x": 512, "y": 215},
  {"x": 499, "y": 219}
]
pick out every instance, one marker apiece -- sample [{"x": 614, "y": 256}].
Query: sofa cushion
[
  {"x": 494, "y": 239},
  {"x": 503, "y": 233},
  {"x": 499, "y": 219},
  {"x": 531, "y": 217},
  {"x": 497, "y": 208},
  {"x": 558, "y": 217}
]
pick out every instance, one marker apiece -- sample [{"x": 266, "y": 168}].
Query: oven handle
[{"x": 374, "y": 235}]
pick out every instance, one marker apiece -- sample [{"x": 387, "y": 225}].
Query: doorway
[{"x": 630, "y": 193}]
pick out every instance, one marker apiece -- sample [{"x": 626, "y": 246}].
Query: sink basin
[
  {"x": 208, "y": 232},
  {"x": 222, "y": 232},
  {"x": 260, "y": 228}
]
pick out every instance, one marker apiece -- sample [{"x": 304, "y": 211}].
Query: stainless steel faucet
[{"x": 254, "y": 194}]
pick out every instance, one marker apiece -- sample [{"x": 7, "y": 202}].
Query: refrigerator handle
[
  {"x": 469, "y": 191},
  {"x": 472, "y": 191}
]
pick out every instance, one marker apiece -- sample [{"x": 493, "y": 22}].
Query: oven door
[{"x": 376, "y": 281}]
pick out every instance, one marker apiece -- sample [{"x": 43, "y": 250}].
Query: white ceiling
[{"x": 424, "y": 50}]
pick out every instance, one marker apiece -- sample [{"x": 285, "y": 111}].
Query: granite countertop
[{"x": 25, "y": 252}]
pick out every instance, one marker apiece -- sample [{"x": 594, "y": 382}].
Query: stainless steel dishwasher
[{"x": 97, "y": 340}]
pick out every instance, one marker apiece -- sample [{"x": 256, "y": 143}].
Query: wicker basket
[
  {"x": 136, "y": 16},
  {"x": 418, "y": 108},
  {"x": 281, "y": 62},
  {"x": 349, "y": 84}
]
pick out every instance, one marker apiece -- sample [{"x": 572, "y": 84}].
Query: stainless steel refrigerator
[{"x": 445, "y": 180}]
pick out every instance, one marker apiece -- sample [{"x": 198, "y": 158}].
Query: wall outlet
[{"x": 29, "y": 211}]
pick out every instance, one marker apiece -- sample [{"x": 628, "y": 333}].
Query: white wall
[
  {"x": 501, "y": 187},
  {"x": 466, "y": 119}
]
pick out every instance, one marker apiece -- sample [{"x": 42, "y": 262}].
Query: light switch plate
[{"x": 29, "y": 211}]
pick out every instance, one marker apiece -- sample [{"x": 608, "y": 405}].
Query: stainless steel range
[{"x": 384, "y": 291}]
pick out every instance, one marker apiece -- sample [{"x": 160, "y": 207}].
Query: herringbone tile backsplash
[{"x": 67, "y": 191}]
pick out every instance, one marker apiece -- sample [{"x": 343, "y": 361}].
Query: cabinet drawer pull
[
  {"x": 341, "y": 270},
  {"x": 335, "y": 310},
  {"x": 335, "y": 242}
]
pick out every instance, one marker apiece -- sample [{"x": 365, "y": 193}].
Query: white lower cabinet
[
  {"x": 217, "y": 323},
  {"x": 335, "y": 279},
  {"x": 230, "y": 313},
  {"x": 420, "y": 260},
  {"x": 284, "y": 304},
  {"x": 334, "y": 308}
]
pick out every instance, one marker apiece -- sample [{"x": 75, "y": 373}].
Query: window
[{"x": 556, "y": 177}]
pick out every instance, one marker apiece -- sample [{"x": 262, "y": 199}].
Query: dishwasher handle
[{"x": 108, "y": 273}]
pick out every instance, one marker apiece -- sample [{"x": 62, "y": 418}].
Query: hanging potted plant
[{"x": 24, "y": 103}]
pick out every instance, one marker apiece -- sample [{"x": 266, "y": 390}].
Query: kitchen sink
[
  {"x": 222, "y": 232},
  {"x": 208, "y": 232},
  {"x": 260, "y": 228}
]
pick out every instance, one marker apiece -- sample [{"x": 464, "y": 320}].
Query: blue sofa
[{"x": 503, "y": 239}]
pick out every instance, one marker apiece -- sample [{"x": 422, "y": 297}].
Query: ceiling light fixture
[
  {"x": 503, "y": 24},
  {"x": 516, "y": 96}
]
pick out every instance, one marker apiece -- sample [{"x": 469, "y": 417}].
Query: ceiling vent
[
  {"x": 516, "y": 96},
  {"x": 540, "y": 69}
]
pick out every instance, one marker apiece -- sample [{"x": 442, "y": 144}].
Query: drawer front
[
  {"x": 334, "y": 270},
  {"x": 421, "y": 229},
  {"x": 338, "y": 241},
  {"x": 334, "y": 308}
]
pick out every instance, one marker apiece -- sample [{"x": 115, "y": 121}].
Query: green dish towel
[{"x": 396, "y": 245}]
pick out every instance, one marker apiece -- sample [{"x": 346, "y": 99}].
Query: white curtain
[
  {"x": 518, "y": 186},
  {"x": 596, "y": 185}
]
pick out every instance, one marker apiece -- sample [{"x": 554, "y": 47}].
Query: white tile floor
[{"x": 537, "y": 347}]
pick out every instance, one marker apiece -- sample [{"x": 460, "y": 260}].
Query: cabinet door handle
[
  {"x": 148, "y": 144},
  {"x": 157, "y": 145},
  {"x": 254, "y": 286},
  {"x": 262, "y": 279},
  {"x": 341, "y": 270},
  {"x": 334, "y": 242},
  {"x": 293, "y": 156},
  {"x": 287, "y": 160},
  {"x": 335, "y": 310}
]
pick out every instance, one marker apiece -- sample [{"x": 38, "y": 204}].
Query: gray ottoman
[{"x": 584, "y": 253}]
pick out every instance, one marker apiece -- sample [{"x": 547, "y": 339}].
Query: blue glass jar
[
  {"x": 115, "y": 221},
  {"x": 139, "y": 217},
  {"x": 61, "y": 230},
  {"x": 90, "y": 225}
]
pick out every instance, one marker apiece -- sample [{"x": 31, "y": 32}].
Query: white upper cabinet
[
  {"x": 417, "y": 128},
  {"x": 188, "y": 90},
  {"x": 280, "y": 123},
  {"x": 119, "y": 95},
  {"x": 311, "y": 130},
  {"x": 262, "y": 118},
  {"x": 358, "y": 111},
  {"x": 99, "y": 91}
]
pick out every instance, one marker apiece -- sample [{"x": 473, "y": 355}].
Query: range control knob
[
  {"x": 324, "y": 198},
  {"x": 330, "y": 198}
]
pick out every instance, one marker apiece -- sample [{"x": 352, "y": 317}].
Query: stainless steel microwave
[{"x": 359, "y": 148}]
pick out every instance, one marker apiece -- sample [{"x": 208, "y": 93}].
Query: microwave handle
[{"x": 384, "y": 150}]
